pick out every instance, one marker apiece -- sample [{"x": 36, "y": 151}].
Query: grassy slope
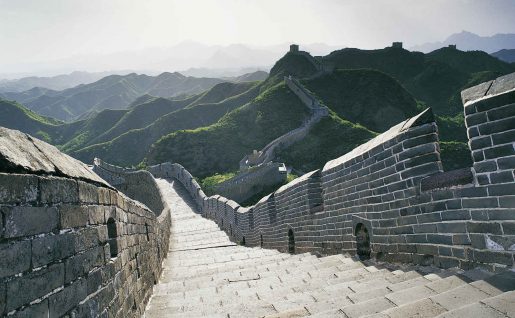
[
  {"x": 141, "y": 116},
  {"x": 131, "y": 147},
  {"x": 222, "y": 91},
  {"x": 368, "y": 97},
  {"x": 220, "y": 147},
  {"x": 330, "y": 138},
  {"x": 16, "y": 116}
]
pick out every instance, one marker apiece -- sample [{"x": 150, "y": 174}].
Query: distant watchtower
[
  {"x": 294, "y": 48},
  {"x": 452, "y": 46},
  {"x": 397, "y": 45}
]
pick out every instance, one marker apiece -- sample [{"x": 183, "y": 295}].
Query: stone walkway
[{"x": 206, "y": 275}]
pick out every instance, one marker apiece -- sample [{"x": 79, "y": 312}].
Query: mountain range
[
  {"x": 210, "y": 131},
  {"x": 58, "y": 82},
  {"x": 468, "y": 41},
  {"x": 111, "y": 92}
]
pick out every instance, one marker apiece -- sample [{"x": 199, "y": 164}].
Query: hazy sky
[{"x": 41, "y": 30}]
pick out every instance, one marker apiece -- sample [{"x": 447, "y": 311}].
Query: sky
[{"x": 36, "y": 32}]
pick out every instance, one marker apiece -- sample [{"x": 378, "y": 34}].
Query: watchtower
[
  {"x": 397, "y": 45},
  {"x": 294, "y": 48}
]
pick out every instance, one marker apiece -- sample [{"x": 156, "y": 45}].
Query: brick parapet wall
[
  {"x": 56, "y": 249},
  {"x": 252, "y": 181},
  {"x": 394, "y": 186}
]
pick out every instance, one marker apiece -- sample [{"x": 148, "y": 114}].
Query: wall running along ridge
[
  {"x": 71, "y": 246},
  {"x": 252, "y": 181},
  {"x": 317, "y": 110},
  {"x": 391, "y": 193}
]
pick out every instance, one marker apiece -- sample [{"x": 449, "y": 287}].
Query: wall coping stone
[
  {"x": 297, "y": 181},
  {"x": 424, "y": 117},
  {"x": 24, "y": 154},
  {"x": 500, "y": 85}
]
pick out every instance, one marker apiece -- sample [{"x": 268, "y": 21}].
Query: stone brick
[
  {"x": 501, "y": 189},
  {"x": 485, "y": 166},
  {"x": 452, "y": 227},
  {"x": 486, "y": 256},
  {"x": 96, "y": 214},
  {"x": 25, "y": 220},
  {"x": 497, "y": 126},
  {"x": 35, "y": 310},
  {"x": 508, "y": 228},
  {"x": 501, "y": 177},
  {"x": 480, "y": 143},
  {"x": 51, "y": 248},
  {"x": 59, "y": 190},
  {"x": 17, "y": 188},
  {"x": 480, "y": 203},
  {"x": 14, "y": 258},
  {"x": 88, "y": 193},
  {"x": 66, "y": 299},
  {"x": 499, "y": 151},
  {"x": 30, "y": 287},
  {"x": 504, "y": 137},
  {"x": 507, "y": 202},
  {"x": 73, "y": 216},
  {"x": 86, "y": 238},
  {"x": 484, "y": 227},
  {"x": 81, "y": 264},
  {"x": 506, "y": 162}
]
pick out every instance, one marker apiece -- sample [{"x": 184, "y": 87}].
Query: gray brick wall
[
  {"x": 55, "y": 255},
  {"x": 394, "y": 185}
]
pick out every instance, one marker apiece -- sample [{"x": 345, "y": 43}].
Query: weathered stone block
[
  {"x": 88, "y": 193},
  {"x": 508, "y": 228},
  {"x": 73, "y": 216},
  {"x": 484, "y": 227},
  {"x": 488, "y": 257},
  {"x": 59, "y": 190},
  {"x": 96, "y": 214},
  {"x": 81, "y": 264},
  {"x": 452, "y": 227},
  {"x": 52, "y": 247},
  {"x": 67, "y": 298},
  {"x": 30, "y": 287},
  {"x": 35, "y": 310},
  {"x": 15, "y": 188},
  {"x": 86, "y": 239},
  {"x": 14, "y": 258},
  {"x": 2, "y": 297},
  {"x": 26, "y": 220}
]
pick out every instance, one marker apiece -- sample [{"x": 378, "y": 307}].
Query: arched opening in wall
[
  {"x": 112, "y": 235},
  {"x": 291, "y": 242},
  {"x": 243, "y": 241},
  {"x": 362, "y": 241},
  {"x": 261, "y": 240},
  {"x": 146, "y": 231},
  {"x": 230, "y": 230},
  {"x": 222, "y": 226}
]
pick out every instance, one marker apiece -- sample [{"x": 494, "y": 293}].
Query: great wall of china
[{"x": 72, "y": 245}]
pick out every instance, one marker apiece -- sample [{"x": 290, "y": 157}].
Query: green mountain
[
  {"x": 111, "y": 92},
  {"x": 368, "y": 97},
  {"x": 131, "y": 147},
  {"x": 210, "y": 131},
  {"x": 16, "y": 116}
]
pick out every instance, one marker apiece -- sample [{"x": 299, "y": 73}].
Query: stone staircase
[{"x": 207, "y": 275}]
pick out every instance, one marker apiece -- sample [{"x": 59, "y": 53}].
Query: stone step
[
  {"x": 454, "y": 293},
  {"x": 502, "y": 305}
]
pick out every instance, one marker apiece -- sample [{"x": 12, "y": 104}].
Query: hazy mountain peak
[{"x": 468, "y": 41}]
